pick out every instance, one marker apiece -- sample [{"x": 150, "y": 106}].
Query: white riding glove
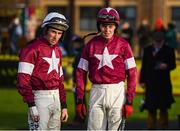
[{"x": 34, "y": 113}]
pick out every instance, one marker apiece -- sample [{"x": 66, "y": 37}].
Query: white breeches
[
  {"x": 106, "y": 101},
  {"x": 48, "y": 106}
]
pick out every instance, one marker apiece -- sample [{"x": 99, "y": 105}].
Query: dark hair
[{"x": 171, "y": 26}]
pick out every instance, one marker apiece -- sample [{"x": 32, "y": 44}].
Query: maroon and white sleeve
[
  {"x": 25, "y": 69},
  {"x": 81, "y": 74},
  {"x": 131, "y": 73},
  {"x": 62, "y": 93}
]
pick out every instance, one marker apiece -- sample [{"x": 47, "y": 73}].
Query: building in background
[{"x": 82, "y": 13}]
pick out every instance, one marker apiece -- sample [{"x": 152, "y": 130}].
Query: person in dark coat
[
  {"x": 171, "y": 37},
  {"x": 127, "y": 33},
  {"x": 15, "y": 33},
  {"x": 144, "y": 36},
  {"x": 158, "y": 60}
]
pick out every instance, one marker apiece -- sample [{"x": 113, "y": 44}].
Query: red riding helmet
[{"x": 108, "y": 15}]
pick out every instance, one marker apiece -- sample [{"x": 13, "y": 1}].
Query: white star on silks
[
  {"x": 53, "y": 62},
  {"x": 105, "y": 59}
]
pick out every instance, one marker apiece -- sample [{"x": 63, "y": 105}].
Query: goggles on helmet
[
  {"x": 57, "y": 20},
  {"x": 107, "y": 16}
]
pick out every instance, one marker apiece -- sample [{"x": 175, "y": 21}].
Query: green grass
[{"x": 13, "y": 112}]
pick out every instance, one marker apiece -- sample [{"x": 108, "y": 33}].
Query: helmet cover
[
  {"x": 55, "y": 20},
  {"x": 108, "y": 15}
]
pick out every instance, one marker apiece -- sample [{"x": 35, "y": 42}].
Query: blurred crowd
[
  {"x": 138, "y": 38},
  {"x": 144, "y": 35}
]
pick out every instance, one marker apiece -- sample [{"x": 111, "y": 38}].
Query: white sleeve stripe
[
  {"x": 130, "y": 63},
  {"x": 25, "y": 67},
  {"x": 83, "y": 64},
  {"x": 61, "y": 71}
]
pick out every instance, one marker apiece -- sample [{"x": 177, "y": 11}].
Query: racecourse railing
[{"x": 9, "y": 66}]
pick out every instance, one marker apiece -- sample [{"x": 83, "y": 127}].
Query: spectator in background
[
  {"x": 171, "y": 38},
  {"x": 144, "y": 36},
  {"x": 127, "y": 33},
  {"x": 78, "y": 44},
  {"x": 159, "y": 26},
  {"x": 61, "y": 46},
  {"x": 15, "y": 32},
  {"x": 158, "y": 60},
  {"x": 39, "y": 30}
]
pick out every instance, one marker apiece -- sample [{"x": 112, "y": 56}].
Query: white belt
[
  {"x": 108, "y": 85},
  {"x": 46, "y": 92}
]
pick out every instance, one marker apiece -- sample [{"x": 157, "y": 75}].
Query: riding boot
[
  {"x": 151, "y": 120},
  {"x": 163, "y": 120}
]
